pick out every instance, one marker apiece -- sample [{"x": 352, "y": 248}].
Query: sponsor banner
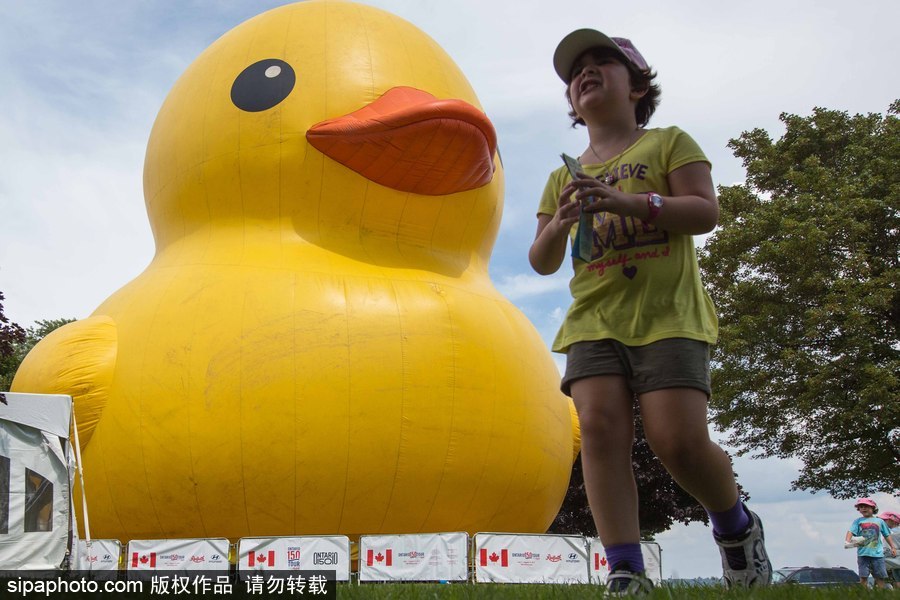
[
  {"x": 414, "y": 557},
  {"x": 600, "y": 567},
  {"x": 522, "y": 558},
  {"x": 100, "y": 555},
  {"x": 202, "y": 554},
  {"x": 288, "y": 553}
]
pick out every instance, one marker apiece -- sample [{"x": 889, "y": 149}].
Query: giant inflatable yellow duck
[{"x": 316, "y": 347}]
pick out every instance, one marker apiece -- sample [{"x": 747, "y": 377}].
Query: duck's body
[{"x": 315, "y": 348}]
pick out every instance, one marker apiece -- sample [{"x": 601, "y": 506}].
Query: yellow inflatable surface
[{"x": 316, "y": 347}]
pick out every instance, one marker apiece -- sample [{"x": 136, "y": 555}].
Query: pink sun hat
[{"x": 581, "y": 40}]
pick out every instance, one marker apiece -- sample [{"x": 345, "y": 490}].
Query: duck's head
[{"x": 336, "y": 123}]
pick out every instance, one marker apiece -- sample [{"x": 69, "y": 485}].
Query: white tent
[{"x": 36, "y": 477}]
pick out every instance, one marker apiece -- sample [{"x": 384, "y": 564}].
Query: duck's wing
[{"x": 78, "y": 360}]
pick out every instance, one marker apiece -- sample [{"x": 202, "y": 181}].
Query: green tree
[
  {"x": 16, "y": 342},
  {"x": 804, "y": 272},
  {"x": 11, "y": 336}
]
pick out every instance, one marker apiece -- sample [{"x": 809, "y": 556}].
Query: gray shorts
[
  {"x": 674, "y": 362},
  {"x": 873, "y": 565}
]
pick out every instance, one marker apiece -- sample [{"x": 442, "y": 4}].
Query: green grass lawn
[{"x": 422, "y": 591}]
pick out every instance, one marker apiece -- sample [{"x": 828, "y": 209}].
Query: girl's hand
[
  {"x": 568, "y": 212},
  {"x": 548, "y": 250},
  {"x": 596, "y": 196}
]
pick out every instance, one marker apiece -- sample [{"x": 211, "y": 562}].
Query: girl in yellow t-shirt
[{"x": 640, "y": 323}]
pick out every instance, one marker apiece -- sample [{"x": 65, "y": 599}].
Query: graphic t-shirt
[
  {"x": 872, "y": 529},
  {"x": 642, "y": 283}
]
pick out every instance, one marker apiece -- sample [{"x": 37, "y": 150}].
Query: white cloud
[
  {"x": 809, "y": 529},
  {"x": 557, "y": 315},
  {"x": 521, "y": 286}
]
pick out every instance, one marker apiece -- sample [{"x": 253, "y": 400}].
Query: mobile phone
[
  {"x": 575, "y": 170},
  {"x": 572, "y": 165},
  {"x": 582, "y": 245}
]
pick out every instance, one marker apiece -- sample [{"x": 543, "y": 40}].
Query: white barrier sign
[
  {"x": 204, "y": 554},
  {"x": 600, "y": 566},
  {"x": 100, "y": 555},
  {"x": 511, "y": 558},
  {"x": 414, "y": 557},
  {"x": 287, "y": 553}
]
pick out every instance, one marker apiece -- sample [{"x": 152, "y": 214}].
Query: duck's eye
[{"x": 263, "y": 85}]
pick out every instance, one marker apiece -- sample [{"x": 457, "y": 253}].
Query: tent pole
[{"x": 87, "y": 524}]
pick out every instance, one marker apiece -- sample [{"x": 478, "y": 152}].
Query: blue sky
[{"x": 83, "y": 83}]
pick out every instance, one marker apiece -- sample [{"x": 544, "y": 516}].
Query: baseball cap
[
  {"x": 889, "y": 515},
  {"x": 581, "y": 40},
  {"x": 866, "y": 502}
]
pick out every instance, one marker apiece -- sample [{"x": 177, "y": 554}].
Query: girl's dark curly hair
[{"x": 640, "y": 80}]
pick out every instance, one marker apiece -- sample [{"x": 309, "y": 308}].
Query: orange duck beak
[{"x": 410, "y": 141}]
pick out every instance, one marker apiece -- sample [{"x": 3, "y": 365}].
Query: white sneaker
[
  {"x": 621, "y": 582},
  {"x": 745, "y": 562}
]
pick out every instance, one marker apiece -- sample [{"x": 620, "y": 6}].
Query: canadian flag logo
[
  {"x": 599, "y": 561},
  {"x": 143, "y": 560},
  {"x": 267, "y": 559},
  {"x": 484, "y": 558},
  {"x": 387, "y": 558}
]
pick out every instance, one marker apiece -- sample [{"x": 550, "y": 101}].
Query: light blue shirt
[{"x": 872, "y": 529}]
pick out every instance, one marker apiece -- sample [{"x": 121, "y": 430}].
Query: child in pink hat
[
  {"x": 892, "y": 563},
  {"x": 637, "y": 335},
  {"x": 870, "y": 552}
]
